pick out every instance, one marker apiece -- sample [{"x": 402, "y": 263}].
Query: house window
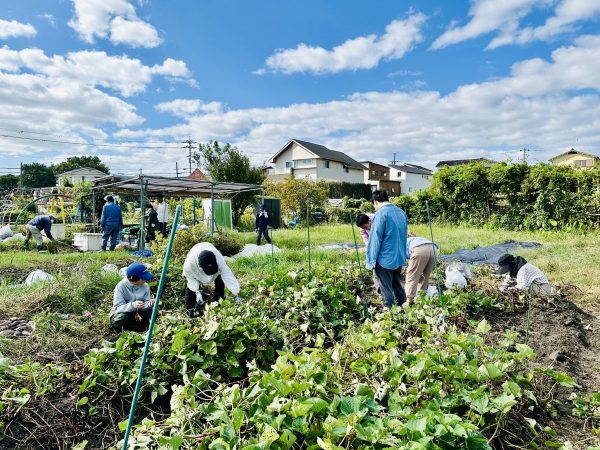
[
  {"x": 326, "y": 163},
  {"x": 288, "y": 164},
  {"x": 393, "y": 190},
  {"x": 399, "y": 174},
  {"x": 374, "y": 172},
  {"x": 346, "y": 169},
  {"x": 306, "y": 161},
  {"x": 384, "y": 174},
  {"x": 409, "y": 189}
]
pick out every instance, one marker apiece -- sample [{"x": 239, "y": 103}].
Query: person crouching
[
  {"x": 204, "y": 264},
  {"x": 132, "y": 305}
]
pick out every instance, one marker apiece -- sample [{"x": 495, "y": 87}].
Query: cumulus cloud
[
  {"x": 48, "y": 18},
  {"x": 113, "y": 19},
  {"x": 125, "y": 75},
  {"x": 567, "y": 14},
  {"x": 364, "y": 52},
  {"x": 547, "y": 104},
  {"x": 14, "y": 29},
  {"x": 187, "y": 108}
]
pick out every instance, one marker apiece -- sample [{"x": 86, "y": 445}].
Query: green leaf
[
  {"x": 490, "y": 371},
  {"x": 481, "y": 404},
  {"x": 326, "y": 444},
  {"x": 269, "y": 434},
  {"x": 83, "y": 401},
  {"x": 504, "y": 402},
  {"x": 173, "y": 442},
  {"x": 525, "y": 351},
  {"x": 237, "y": 417},
  {"x": 350, "y": 405},
  {"x": 287, "y": 439},
  {"x": 417, "y": 425},
  {"x": 483, "y": 327},
  {"x": 123, "y": 425}
]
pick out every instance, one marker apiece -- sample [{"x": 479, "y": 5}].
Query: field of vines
[{"x": 298, "y": 365}]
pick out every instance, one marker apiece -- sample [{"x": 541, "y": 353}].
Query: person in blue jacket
[
  {"x": 111, "y": 222},
  {"x": 386, "y": 248},
  {"x": 262, "y": 223},
  {"x": 35, "y": 227}
]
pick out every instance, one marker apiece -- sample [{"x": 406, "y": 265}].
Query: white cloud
[
  {"x": 187, "y": 108},
  {"x": 125, "y": 75},
  {"x": 48, "y": 18},
  {"x": 14, "y": 29},
  {"x": 113, "y": 19},
  {"x": 547, "y": 104},
  {"x": 487, "y": 16},
  {"x": 566, "y": 15},
  {"x": 363, "y": 52}
]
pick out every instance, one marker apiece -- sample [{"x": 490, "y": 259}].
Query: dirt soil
[{"x": 565, "y": 338}]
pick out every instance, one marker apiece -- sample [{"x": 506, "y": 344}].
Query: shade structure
[{"x": 173, "y": 187}]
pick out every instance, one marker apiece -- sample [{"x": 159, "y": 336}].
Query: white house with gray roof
[
  {"x": 412, "y": 178},
  {"x": 302, "y": 159}
]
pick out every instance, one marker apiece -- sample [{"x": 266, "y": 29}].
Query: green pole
[
  {"x": 308, "y": 229},
  {"x": 161, "y": 285},
  {"x": 437, "y": 272},
  {"x": 272, "y": 255},
  {"x": 360, "y": 270}
]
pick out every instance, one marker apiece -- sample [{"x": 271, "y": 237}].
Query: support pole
[
  {"x": 161, "y": 285},
  {"x": 360, "y": 270},
  {"x": 194, "y": 210},
  {"x": 94, "y": 220},
  {"x": 212, "y": 209},
  {"x": 308, "y": 230},
  {"x": 141, "y": 243}
]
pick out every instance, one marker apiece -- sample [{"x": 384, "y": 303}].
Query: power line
[
  {"x": 61, "y": 136},
  {"x": 89, "y": 144}
]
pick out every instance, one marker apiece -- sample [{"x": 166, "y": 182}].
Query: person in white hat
[{"x": 36, "y": 226}]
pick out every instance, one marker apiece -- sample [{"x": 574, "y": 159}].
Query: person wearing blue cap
[{"x": 132, "y": 305}]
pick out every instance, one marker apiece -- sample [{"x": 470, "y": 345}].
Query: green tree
[
  {"x": 227, "y": 163},
  {"x": 76, "y": 162},
  {"x": 37, "y": 175},
  {"x": 8, "y": 182},
  {"x": 296, "y": 193}
]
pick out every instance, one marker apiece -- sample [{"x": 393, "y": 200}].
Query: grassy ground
[{"x": 59, "y": 309}]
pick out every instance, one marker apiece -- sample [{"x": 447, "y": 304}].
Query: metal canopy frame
[{"x": 169, "y": 187}]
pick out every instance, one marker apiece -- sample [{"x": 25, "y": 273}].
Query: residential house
[
  {"x": 79, "y": 175},
  {"x": 306, "y": 160},
  {"x": 378, "y": 176},
  {"x": 198, "y": 175},
  {"x": 412, "y": 178},
  {"x": 458, "y": 162},
  {"x": 576, "y": 158}
]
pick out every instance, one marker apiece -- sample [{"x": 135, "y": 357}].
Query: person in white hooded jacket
[{"x": 204, "y": 264}]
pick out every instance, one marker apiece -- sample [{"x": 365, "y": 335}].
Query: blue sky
[{"x": 428, "y": 80}]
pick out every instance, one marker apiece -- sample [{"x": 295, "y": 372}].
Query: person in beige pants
[{"x": 420, "y": 265}]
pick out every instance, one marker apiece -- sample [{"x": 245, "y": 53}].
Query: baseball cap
[
  {"x": 505, "y": 262},
  {"x": 208, "y": 262},
  {"x": 139, "y": 270}
]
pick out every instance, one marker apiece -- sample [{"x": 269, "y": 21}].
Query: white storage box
[
  {"x": 88, "y": 242},
  {"x": 57, "y": 230}
]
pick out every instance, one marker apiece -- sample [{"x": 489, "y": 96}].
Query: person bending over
[
  {"x": 203, "y": 265},
  {"x": 522, "y": 276}
]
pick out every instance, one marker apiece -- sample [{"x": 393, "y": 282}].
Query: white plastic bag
[
  {"x": 38, "y": 276},
  {"x": 112, "y": 268},
  {"x": 455, "y": 279},
  {"x": 123, "y": 271},
  {"x": 431, "y": 292},
  {"x": 5, "y": 232},
  {"x": 14, "y": 237},
  {"x": 463, "y": 268}
]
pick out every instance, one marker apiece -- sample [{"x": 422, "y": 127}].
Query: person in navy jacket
[
  {"x": 35, "y": 227},
  {"x": 111, "y": 222},
  {"x": 262, "y": 223}
]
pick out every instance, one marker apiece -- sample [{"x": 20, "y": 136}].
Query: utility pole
[
  {"x": 525, "y": 151},
  {"x": 189, "y": 146},
  {"x": 176, "y": 169},
  {"x": 21, "y": 180},
  {"x": 394, "y": 160}
]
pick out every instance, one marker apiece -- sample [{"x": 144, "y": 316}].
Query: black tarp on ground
[{"x": 488, "y": 255}]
